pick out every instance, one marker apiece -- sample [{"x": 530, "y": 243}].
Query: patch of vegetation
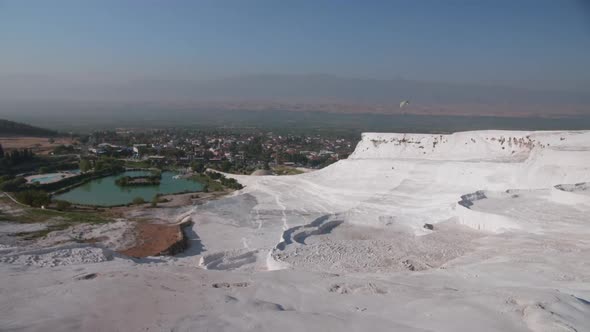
[
  {"x": 62, "y": 205},
  {"x": 128, "y": 181},
  {"x": 25, "y": 161},
  {"x": 296, "y": 158},
  {"x": 208, "y": 183},
  {"x": 64, "y": 149},
  {"x": 12, "y": 184},
  {"x": 59, "y": 220},
  {"x": 138, "y": 200},
  {"x": 141, "y": 180},
  {"x": 35, "y": 198},
  {"x": 43, "y": 170},
  {"x": 283, "y": 170},
  {"x": 33, "y": 215},
  {"x": 231, "y": 183},
  {"x": 109, "y": 165},
  {"x": 8, "y": 160},
  {"x": 198, "y": 167},
  {"x": 137, "y": 164},
  {"x": 43, "y": 232},
  {"x": 158, "y": 199},
  {"x": 214, "y": 181},
  {"x": 21, "y": 129},
  {"x": 84, "y": 165}
]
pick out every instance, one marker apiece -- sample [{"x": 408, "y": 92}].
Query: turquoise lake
[{"x": 105, "y": 192}]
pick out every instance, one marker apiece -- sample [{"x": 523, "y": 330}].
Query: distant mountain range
[
  {"x": 11, "y": 128},
  {"x": 309, "y": 93}
]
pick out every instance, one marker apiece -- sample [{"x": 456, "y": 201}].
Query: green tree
[
  {"x": 138, "y": 200},
  {"x": 85, "y": 165},
  {"x": 233, "y": 147},
  {"x": 198, "y": 167},
  {"x": 63, "y": 205},
  {"x": 208, "y": 155},
  {"x": 254, "y": 149},
  {"x": 109, "y": 164},
  {"x": 5, "y": 178},
  {"x": 34, "y": 198},
  {"x": 226, "y": 166},
  {"x": 63, "y": 149},
  {"x": 12, "y": 185}
]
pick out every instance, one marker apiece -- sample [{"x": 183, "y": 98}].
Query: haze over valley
[{"x": 30, "y": 97}]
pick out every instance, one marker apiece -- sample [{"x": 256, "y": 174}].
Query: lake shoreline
[{"x": 103, "y": 191}]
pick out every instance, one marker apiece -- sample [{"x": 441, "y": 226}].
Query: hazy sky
[{"x": 539, "y": 43}]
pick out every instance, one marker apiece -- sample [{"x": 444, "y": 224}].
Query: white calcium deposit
[{"x": 345, "y": 248}]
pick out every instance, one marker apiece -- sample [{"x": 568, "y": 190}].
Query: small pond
[{"x": 105, "y": 192}]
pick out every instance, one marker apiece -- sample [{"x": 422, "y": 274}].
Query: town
[
  {"x": 74, "y": 171},
  {"x": 224, "y": 150}
]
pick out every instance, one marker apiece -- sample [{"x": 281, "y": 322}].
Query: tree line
[
  {"x": 15, "y": 157},
  {"x": 21, "y": 129}
]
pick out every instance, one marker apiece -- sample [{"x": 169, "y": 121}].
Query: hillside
[{"x": 11, "y": 128}]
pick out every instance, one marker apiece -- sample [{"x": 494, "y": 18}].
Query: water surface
[{"x": 105, "y": 192}]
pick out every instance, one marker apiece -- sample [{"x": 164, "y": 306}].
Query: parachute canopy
[{"x": 403, "y": 103}]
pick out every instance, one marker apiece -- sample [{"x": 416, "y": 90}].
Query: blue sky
[{"x": 538, "y": 43}]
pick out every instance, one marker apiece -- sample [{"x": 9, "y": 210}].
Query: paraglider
[{"x": 404, "y": 103}]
